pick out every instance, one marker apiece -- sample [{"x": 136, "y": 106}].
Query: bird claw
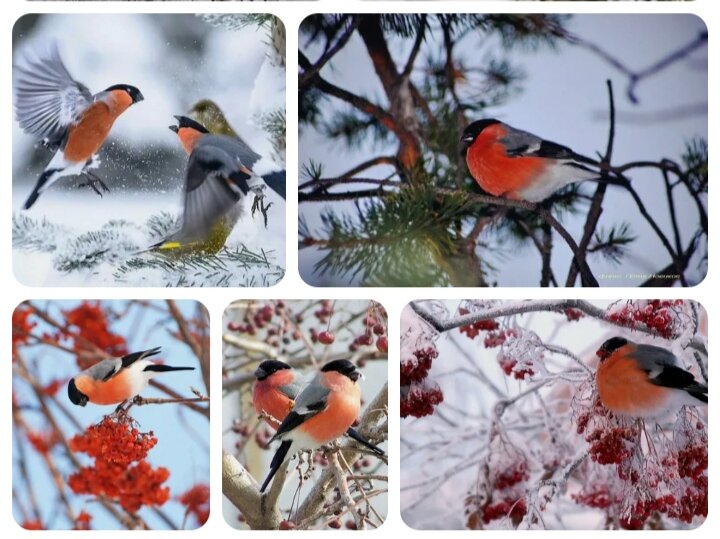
[
  {"x": 93, "y": 181},
  {"x": 259, "y": 205}
]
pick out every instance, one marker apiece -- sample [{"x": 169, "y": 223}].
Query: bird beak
[
  {"x": 139, "y": 97},
  {"x": 173, "y": 128},
  {"x": 259, "y": 373},
  {"x": 467, "y": 139}
]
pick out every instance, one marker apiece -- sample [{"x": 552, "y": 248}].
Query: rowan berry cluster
[
  {"x": 197, "y": 502},
  {"x": 658, "y": 315},
  {"x": 119, "y": 471},
  {"x": 417, "y": 397}
]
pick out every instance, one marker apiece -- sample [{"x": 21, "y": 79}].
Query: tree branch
[
  {"x": 312, "y": 506},
  {"x": 241, "y": 489}
]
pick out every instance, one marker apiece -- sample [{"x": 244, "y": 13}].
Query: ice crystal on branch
[
  {"x": 418, "y": 395},
  {"x": 664, "y": 317}
]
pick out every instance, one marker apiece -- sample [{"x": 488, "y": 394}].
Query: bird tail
[
  {"x": 39, "y": 185},
  {"x": 155, "y": 367},
  {"x": 276, "y": 182},
  {"x": 355, "y": 435},
  {"x": 277, "y": 460},
  {"x": 698, "y": 391}
]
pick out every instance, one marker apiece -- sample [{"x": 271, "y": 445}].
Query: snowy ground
[{"x": 46, "y": 256}]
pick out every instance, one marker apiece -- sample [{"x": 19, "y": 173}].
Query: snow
[{"x": 175, "y": 60}]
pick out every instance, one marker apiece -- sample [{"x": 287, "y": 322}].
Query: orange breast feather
[
  {"x": 494, "y": 171},
  {"x": 624, "y": 387},
  {"x": 114, "y": 391},
  {"x": 89, "y": 134},
  {"x": 342, "y": 409}
]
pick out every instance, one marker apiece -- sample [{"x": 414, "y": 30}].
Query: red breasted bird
[
  {"x": 644, "y": 381},
  {"x": 274, "y": 391},
  {"x": 218, "y": 175},
  {"x": 518, "y": 165},
  {"x": 323, "y": 411},
  {"x": 116, "y": 380},
  {"x": 50, "y": 105}
]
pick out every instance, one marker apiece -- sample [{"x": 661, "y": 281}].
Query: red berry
[
  {"x": 382, "y": 344},
  {"x": 326, "y": 337},
  {"x": 286, "y": 525}
]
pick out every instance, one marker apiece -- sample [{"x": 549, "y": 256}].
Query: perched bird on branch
[
  {"x": 116, "y": 380},
  {"x": 323, "y": 411},
  {"x": 644, "y": 381},
  {"x": 514, "y": 164},
  {"x": 61, "y": 112},
  {"x": 274, "y": 391},
  {"x": 218, "y": 175}
]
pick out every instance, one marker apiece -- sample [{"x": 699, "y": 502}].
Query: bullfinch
[
  {"x": 323, "y": 411},
  {"x": 116, "y": 380},
  {"x": 274, "y": 393},
  {"x": 218, "y": 175},
  {"x": 644, "y": 381},
  {"x": 514, "y": 164},
  {"x": 61, "y": 112}
]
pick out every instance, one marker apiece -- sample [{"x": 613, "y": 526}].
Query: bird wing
[
  {"x": 290, "y": 390},
  {"x": 105, "y": 369},
  {"x": 310, "y": 401},
  {"x": 46, "y": 98},
  {"x": 210, "y": 191},
  {"x": 523, "y": 144},
  {"x": 135, "y": 356},
  {"x": 235, "y": 148},
  {"x": 664, "y": 369}
]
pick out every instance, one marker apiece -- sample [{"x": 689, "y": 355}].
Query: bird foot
[
  {"x": 93, "y": 181},
  {"x": 259, "y": 205}
]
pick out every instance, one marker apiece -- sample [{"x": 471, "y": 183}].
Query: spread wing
[
  {"x": 233, "y": 147},
  {"x": 214, "y": 183},
  {"x": 46, "y": 98}
]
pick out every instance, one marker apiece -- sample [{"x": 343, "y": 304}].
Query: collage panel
[
  {"x": 305, "y": 427},
  {"x": 554, "y": 414},
  {"x": 110, "y": 415},
  {"x": 147, "y": 151},
  {"x": 551, "y": 150}
]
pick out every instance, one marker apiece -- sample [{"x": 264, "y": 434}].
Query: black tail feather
[
  {"x": 700, "y": 396},
  {"x": 42, "y": 180},
  {"x": 276, "y": 462},
  {"x": 355, "y": 435},
  {"x": 276, "y": 182},
  {"x": 166, "y": 368}
]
